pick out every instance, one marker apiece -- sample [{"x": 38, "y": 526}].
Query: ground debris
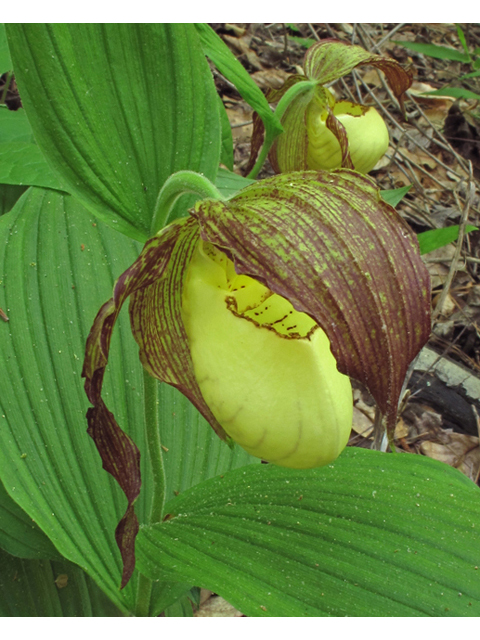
[{"x": 213, "y": 606}]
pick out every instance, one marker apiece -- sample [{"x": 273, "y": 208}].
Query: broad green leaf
[
  {"x": 117, "y": 108},
  {"x": 19, "y": 535},
  {"x": 434, "y": 51},
  {"x": 14, "y": 126},
  {"x": 394, "y": 196},
  {"x": 436, "y": 238},
  {"x": 373, "y": 534},
  {"x": 22, "y": 163},
  {"x": 228, "y": 183},
  {"x": 330, "y": 245},
  {"x": 5, "y": 60},
  {"x": 57, "y": 265},
  {"x": 9, "y": 194},
  {"x": 221, "y": 56},
  {"x": 39, "y": 588}
]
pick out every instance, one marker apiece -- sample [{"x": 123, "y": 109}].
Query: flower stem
[
  {"x": 270, "y": 137},
  {"x": 144, "y": 594},
  {"x": 154, "y": 449},
  {"x": 175, "y": 186}
]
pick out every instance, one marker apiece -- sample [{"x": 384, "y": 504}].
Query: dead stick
[{"x": 461, "y": 233}]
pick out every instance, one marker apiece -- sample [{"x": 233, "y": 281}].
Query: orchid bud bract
[{"x": 265, "y": 370}]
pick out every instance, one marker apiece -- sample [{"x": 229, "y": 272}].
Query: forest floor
[{"x": 435, "y": 150}]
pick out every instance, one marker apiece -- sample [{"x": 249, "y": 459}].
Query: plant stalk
[
  {"x": 154, "y": 447},
  {"x": 155, "y": 455},
  {"x": 294, "y": 91},
  {"x": 175, "y": 186}
]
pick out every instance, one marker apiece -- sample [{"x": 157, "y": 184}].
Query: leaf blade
[
  {"x": 435, "y": 51},
  {"x": 5, "y": 60},
  {"x": 19, "y": 535},
  {"x": 22, "y": 163},
  {"x": 347, "y": 539},
  {"x": 112, "y": 147},
  {"x": 436, "y": 238},
  {"x": 36, "y": 588}
]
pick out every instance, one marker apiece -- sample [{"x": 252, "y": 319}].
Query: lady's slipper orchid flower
[
  {"x": 366, "y": 132},
  {"x": 264, "y": 369},
  {"x": 257, "y": 309},
  {"x": 320, "y": 133}
]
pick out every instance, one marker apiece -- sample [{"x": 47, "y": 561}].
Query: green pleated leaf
[
  {"x": 5, "y": 60},
  {"x": 117, "y": 108},
  {"x": 183, "y": 608},
  {"x": 14, "y": 126},
  {"x": 57, "y": 266},
  {"x": 373, "y": 534},
  {"x": 34, "y": 588},
  {"x": 19, "y": 535},
  {"x": 22, "y": 163},
  {"x": 330, "y": 245},
  {"x": 221, "y": 56}
]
